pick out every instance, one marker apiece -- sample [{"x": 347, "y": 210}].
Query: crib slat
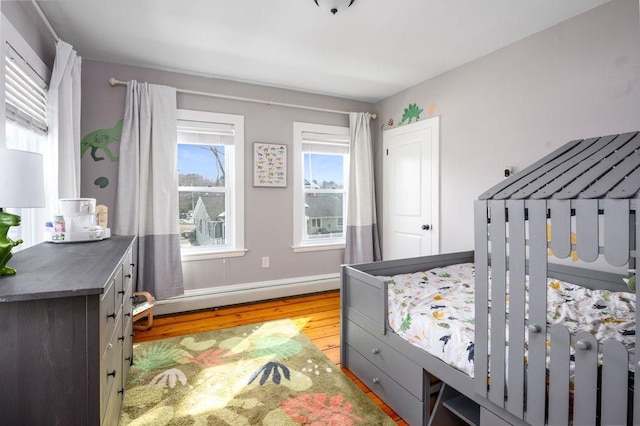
[
  {"x": 585, "y": 389},
  {"x": 560, "y": 228},
  {"x": 481, "y": 346},
  {"x": 536, "y": 384},
  {"x": 498, "y": 238},
  {"x": 615, "y": 371},
  {"x": 517, "y": 271},
  {"x": 587, "y": 230},
  {"x": 616, "y": 231},
  {"x": 559, "y": 375}
]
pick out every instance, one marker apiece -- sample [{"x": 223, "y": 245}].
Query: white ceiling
[{"x": 368, "y": 52}]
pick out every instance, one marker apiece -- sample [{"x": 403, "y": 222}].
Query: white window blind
[
  {"x": 319, "y": 143},
  {"x": 198, "y": 132},
  {"x": 25, "y": 93}
]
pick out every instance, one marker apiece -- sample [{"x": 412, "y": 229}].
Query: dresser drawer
[
  {"x": 121, "y": 288},
  {"x": 107, "y": 314},
  {"x": 393, "y": 363},
  {"x": 111, "y": 365},
  {"x": 112, "y": 411},
  {"x": 127, "y": 307},
  {"x": 127, "y": 355},
  {"x": 412, "y": 410}
]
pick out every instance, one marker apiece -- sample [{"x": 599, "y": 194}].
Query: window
[
  {"x": 211, "y": 184},
  {"x": 25, "y": 85},
  {"x": 321, "y": 161}
]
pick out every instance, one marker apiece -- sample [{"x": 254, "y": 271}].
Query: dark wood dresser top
[{"x": 50, "y": 270}]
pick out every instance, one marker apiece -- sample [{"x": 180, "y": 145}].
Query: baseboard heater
[{"x": 213, "y": 297}]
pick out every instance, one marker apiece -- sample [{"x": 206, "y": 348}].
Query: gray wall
[
  {"x": 25, "y": 19},
  {"x": 269, "y": 211},
  {"x": 575, "y": 80}
]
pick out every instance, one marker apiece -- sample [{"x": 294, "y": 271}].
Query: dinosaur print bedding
[{"x": 434, "y": 310}]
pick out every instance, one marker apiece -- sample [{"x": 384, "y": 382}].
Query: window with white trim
[
  {"x": 25, "y": 78},
  {"x": 321, "y": 162},
  {"x": 211, "y": 184}
]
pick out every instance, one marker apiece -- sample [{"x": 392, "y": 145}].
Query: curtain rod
[
  {"x": 114, "y": 82},
  {"x": 45, "y": 20}
]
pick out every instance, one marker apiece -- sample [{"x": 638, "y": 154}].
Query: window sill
[
  {"x": 187, "y": 257},
  {"x": 317, "y": 247}
]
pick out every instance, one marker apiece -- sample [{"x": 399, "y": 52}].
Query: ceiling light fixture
[{"x": 333, "y": 6}]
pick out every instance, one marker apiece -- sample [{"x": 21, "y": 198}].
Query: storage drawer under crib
[
  {"x": 395, "y": 365},
  {"x": 411, "y": 409}
]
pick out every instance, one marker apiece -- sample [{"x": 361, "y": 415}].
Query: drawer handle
[
  {"x": 112, "y": 374},
  {"x": 121, "y": 292},
  {"x": 128, "y": 358},
  {"x": 113, "y": 315},
  {"x": 121, "y": 338},
  {"x": 376, "y": 380},
  {"x": 121, "y": 391},
  {"x": 375, "y": 351},
  {"x": 128, "y": 314},
  {"x": 128, "y": 276},
  {"x": 132, "y": 264}
]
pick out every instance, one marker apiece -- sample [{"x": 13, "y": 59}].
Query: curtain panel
[
  {"x": 147, "y": 194},
  {"x": 362, "y": 242},
  {"x": 63, "y": 110}
]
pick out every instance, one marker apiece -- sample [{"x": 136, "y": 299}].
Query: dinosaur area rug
[{"x": 260, "y": 374}]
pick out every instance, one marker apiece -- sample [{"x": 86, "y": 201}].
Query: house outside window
[
  {"x": 321, "y": 161},
  {"x": 210, "y": 184}
]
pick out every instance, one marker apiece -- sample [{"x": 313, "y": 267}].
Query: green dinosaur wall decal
[
  {"x": 411, "y": 112},
  {"x": 101, "y": 139}
]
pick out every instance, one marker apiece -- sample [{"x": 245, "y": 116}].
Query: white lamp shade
[{"x": 21, "y": 179}]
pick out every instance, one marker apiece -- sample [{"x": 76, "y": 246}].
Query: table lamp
[{"x": 21, "y": 185}]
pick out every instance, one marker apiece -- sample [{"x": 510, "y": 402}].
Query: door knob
[{"x": 426, "y": 227}]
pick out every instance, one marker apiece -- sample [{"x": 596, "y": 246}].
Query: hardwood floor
[{"x": 317, "y": 316}]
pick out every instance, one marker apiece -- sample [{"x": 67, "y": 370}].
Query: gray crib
[{"x": 579, "y": 201}]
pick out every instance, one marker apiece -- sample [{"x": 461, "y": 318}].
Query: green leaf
[
  {"x": 278, "y": 346},
  {"x": 160, "y": 355},
  {"x": 406, "y": 323}
]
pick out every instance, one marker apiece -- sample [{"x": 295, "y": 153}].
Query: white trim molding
[{"x": 234, "y": 294}]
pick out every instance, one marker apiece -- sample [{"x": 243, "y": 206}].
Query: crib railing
[{"x": 544, "y": 374}]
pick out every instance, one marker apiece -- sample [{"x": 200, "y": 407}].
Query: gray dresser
[{"x": 66, "y": 333}]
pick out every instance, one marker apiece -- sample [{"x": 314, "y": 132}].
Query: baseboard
[{"x": 194, "y": 300}]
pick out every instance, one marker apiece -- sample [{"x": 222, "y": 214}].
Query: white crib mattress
[{"x": 434, "y": 310}]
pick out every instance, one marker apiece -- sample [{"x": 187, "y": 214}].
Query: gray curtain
[
  {"x": 147, "y": 195},
  {"x": 362, "y": 243}
]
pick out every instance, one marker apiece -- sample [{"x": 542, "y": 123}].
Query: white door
[{"x": 411, "y": 190}]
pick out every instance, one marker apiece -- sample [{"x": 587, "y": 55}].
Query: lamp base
[{"x": 7, "y": 220}]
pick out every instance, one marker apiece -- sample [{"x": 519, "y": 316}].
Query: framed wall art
[{"x": 269, "y": 164}]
